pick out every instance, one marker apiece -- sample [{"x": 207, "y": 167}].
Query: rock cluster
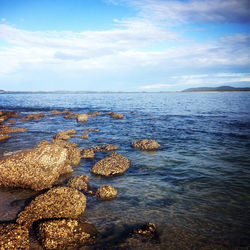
[
  {"x": 106, "y": 192},
  {"x": 59, "y": 202},
  {"x": 111, "y": 165},
  {"x": 146, "y": 144}
]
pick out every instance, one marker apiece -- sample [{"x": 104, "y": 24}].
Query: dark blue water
[{"x": 195, "y": 187}]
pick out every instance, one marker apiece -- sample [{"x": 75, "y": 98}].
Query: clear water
[{"x": 195, "y": 188}]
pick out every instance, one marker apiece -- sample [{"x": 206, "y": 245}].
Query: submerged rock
[
  {"x": 65, "y": 233},
  {"x": 148, "y": 230},
  {"x": 106, "y": 147},
  {"x": 82, "y": 118},
  {"x": 36, "y": 169},
  {"x": 14, "y": 236},
  {"x": 60, "y": 202},
  {"x": 87, "y": 153},
  {"x": 146, "y": 144},
  {"x": 106, "y": 192},
  {"x": 79, "y": 182},
  {"x": 111, "y": 165}
]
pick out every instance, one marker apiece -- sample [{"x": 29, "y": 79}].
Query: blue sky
[{"x": 123, "y": 45}]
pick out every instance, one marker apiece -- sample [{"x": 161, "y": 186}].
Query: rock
[
  {"x": 106, "y": 192},
  {"x": 32, "y": 117},
  {"x": 36, "y": 169},
  {"x": 84, "y": 135},
  {"x": 4, "y": 137},
  {"x": 43, "y": 143},
  {"x": 70, "y": 115},
  {"x": 65, "y": 233},
  {"x": 106, "y": 147},
  {"x": 11, "y": 121},
  {"x": 93, "y": 129},
  {"x": 79, "y": 182},
  {"x": 59, "y": 202},
  {"x": 111, "y": 165},
  {"x": 117, "y": 115},
  {"x": 87, "y": 153},
  {"x": 55, "y": 112},
  {"x": 13, "y": 130},
  {"x": 14, "y": 236},
  {"x": 146, "y": 144},
  {"x": 148, "y": 230},
  {"x": 95, "y": 113},
  {"x": 82, "y": 118},
  {"x": 65, "y": 135}
]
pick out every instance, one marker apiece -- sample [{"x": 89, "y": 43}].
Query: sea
[{"x": 195, "y": 188}]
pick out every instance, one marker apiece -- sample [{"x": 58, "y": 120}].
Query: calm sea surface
[{"x": 195, "y": 188}]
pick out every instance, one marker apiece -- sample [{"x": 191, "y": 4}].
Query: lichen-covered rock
[
  {"x": 87, "y": 153},
  {"x": 146, "y": 144},
  {"x": 106, "y": 192},
  {"x": 117, "y": 115},
  {"x": 82, "y": 118},
  {"x": 106, "y": 147},
  {"x": 4, "y": 136},
  {"x": 79, "y": 182},
  {"x": 14, "y": 236},
  {"x": 65, "y": 135},
  {"x": 60, "y": 202},
  {"x": 36, "y": 169},
  {"x": 111, "y": 165},
  {"x": 65, "y": 233}
]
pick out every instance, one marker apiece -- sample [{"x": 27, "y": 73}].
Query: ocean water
[{"x": 195, "y": 188}]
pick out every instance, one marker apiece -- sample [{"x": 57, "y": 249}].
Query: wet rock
[
  {"x": 117, "y": 115},
  {"x": 70, "y": 115},
  {"x": 111, "y": 165},
  {"x": 59, "y": 202},
  {"x": 65, "y": 234},
  {"x": 106, "y": 192},
  {"x": 84, "y": 135},
  {"x": 148, "y": 230},
  {"x": 65, "y": 135},
  {"x": 55, "y": 112},
  {"x": 93, "y": 129},
  {"x": 146, "y": 144},
  {"x": 14, "y": 236},
  {"x": 82, "y": 118},
  {"x": 106, "y": 147},
  {"x": 87, "y": 153},
  {"x": 79, "y": 182},
  {"x": 95, "y": 113},
  {"x": 32, "y": 117},
  {"x": 11, "y": 121},
  {"x": 4, "y": 137},
  {"x": 36, "y": 169},
  {"x": 13, "y": 130}
]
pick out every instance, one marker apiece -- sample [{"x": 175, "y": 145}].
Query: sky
[{"x": 123, "y": 45}]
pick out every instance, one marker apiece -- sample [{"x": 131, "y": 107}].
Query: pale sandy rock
[{"x": 82, "y": 118}]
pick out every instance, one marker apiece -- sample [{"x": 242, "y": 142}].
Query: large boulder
[
  {"x": 82, "y": 118},
  {"x": 14, "y": 236},
  {"x": 146, "y": 144},
  {"x": 106, "y": 192},
  {"x": 65, "y": 233},
  {"x": 111, "y": 165},
  {"x": 60, "y": 202},
  {"x": 36, "y": 169}
]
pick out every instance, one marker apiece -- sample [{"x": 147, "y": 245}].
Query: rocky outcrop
[
  {"x": 106, "y": 147},
  {"x": 60, "y": 202},
  {"x": 146, "y": 144},
  {"x": 65, "y": 233},
  {"x": 82, "y": 118},
  {"x": 79, "y": 182},
  {"x": 106, "y": 192},
  {"x": 111, "y": 165},
  {"x": 65, "y": 135},
  {"x": 37, "y": 168},
  {"x": 87, "y": 153}
]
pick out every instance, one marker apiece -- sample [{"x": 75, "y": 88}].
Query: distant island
[{"x": 219, "y": 89}]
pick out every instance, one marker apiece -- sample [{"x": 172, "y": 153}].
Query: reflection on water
[{"x": 195, "y": 188}]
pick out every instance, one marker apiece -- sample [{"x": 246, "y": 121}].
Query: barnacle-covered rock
[
  {"x": 80, "y": 182},
  {"x": 106, "y": 192},
  {"x": 13, "y": 236},
  {"x": 146, "y": 144},
  {"x": 106, "y": 147},
  {"x": 36, "y": 169},
  {"x": 87, "y": 153},
  {"x": 59, "y": 202},
  {"x": 111, "y": 165},
  {"x": 65, "y": 233}
]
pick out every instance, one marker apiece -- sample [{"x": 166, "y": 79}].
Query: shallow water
[{"x": 195, "y": 188}]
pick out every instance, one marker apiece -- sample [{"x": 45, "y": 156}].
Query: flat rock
[
  {"x": 111, "y": 165},
  {"x": 36, "y": 169},
  {"x": 14, "y": 236},
  {"x": 146, "y": 144},
  {"x": 106, "y": 192},
  {"x": 59, "y": 202},
  {"x": 82, "y": 118}
]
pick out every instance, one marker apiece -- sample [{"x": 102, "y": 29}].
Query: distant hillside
[
  {"x": 221, "y": 88},
  {"x": 1, "y": 91}
]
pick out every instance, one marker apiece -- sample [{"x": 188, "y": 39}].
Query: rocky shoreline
[{"x": 54, "y": 215}]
